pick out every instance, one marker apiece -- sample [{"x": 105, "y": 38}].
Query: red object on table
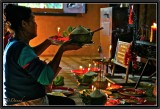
[
  {"x": 59, "y": 38},
  {"x": 112, "y": 102},
  {"x": 114, "y": 87},
  {"x": 83, "y": 71},
  {"x": 132, "y": 92}
]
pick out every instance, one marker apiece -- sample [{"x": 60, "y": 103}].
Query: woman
[
  {"x": 25, "y": 75},
  {"x": 8, "y": 33}
]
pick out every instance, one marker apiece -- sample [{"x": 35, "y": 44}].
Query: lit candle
[
  {"x": 153, "y": 32},
  {"x": 80, "y": 67},
  {"x": 109, "y": 84},
  {"x": 154, "y": 26},
  {"x": 95, "y": 65},
  {"x": 89, "y": 69},
  {"x": 58, "y": 29},
  {"x": 110, "y": 48},
  {"x": 92, "y": 87}
]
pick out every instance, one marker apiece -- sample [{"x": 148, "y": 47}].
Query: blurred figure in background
[{"x": 7, "y": 33}]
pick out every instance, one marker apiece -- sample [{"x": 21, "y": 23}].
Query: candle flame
[
  {"x": 92, "y": 87},
  {"x": 89, "y": 69},
  {"x": 80, "y": 67},
  {"x": 109, "y": 84},
  {"x": 89, "y": 65},
  {"x": 110, "y": 47},
  {"x": 155, "y": 25},
  {"x": 58, "y": 29},
  {"x": 110, "y": 50}
]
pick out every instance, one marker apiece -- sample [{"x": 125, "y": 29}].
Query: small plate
[
  {"x": 65, "y": 90},
  {"x": 132, "y": 92},
  {"x": 56, "y": 94},
  {"x": 58, "y": 39},
  {"x": 134, "y": 100},
  {"x": 114, "y": 87},
  {"x": 83, "y": 71},
  {"x": 79, "y": 72},
  {"x": 112, "y": 101}
]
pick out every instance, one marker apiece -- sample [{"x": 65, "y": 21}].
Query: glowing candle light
[
  {"x": 58, "y": 29},
  {"x": 154, "y": 26},
  {"x": 89, "y": 68},
  {"x": 80, "y": 67},
  {"x": 153, "y": 32},
  {"x": 109, "y": 84},
  {"x": 95, "y": 65},
  {"x": 110, "y": 48},
  {"x": 92, "y": 87}
]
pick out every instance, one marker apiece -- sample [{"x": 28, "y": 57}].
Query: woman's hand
[{"x": 52, "y": 42}]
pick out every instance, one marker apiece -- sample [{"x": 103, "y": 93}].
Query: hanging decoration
[
  {"x": 130, "y": 56},
  {"x": 130, "y": 21}
]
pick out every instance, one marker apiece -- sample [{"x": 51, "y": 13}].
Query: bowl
[
  {"x": 81, "y": 35},
  {"x": 101, "y": 84}
]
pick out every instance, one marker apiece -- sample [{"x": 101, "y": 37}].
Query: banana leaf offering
[
  {"x": 87, "y": 78},
  {"x": 81, "y": 35},
  {"x": 58, "y": 81},
  {"x": 96, "y": 97}
]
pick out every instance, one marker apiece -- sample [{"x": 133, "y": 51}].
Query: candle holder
[{"x": 101, "y": 82}]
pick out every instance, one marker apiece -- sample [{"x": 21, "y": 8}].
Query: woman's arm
[
  {"x": 41, "y": 47},
  {"x": 57, "y": 58}
]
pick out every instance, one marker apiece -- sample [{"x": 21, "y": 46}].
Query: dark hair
[{"x": 15, "y": 14}]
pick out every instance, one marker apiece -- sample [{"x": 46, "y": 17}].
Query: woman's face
[{"x": 31, "y": 28}]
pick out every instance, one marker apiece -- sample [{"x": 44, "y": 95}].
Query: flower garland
[{"x": 130, "y": 55}]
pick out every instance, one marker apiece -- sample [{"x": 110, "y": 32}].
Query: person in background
[
  {"x": 24, "y": 74},
  {"x": 8, "y": 33}
]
